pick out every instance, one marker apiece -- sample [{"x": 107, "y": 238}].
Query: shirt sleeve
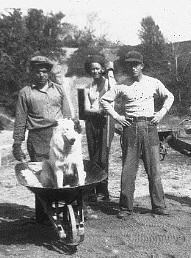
[
  {"x": 107, "y": 100},
  {"x": 20, "y": 118},
  {"x": 67, "y": 105},
  {"x": 87, "y": 104},
  {"x": 163, "y": 92},
  {"x": 111, "y": 80}
]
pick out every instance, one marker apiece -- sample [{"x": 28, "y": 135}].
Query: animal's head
[{"x": 66, "y": 127}]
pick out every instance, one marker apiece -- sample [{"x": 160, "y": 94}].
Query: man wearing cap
[
  {"x": 140, "y": 136},
  {"x": 39, "y": 105}
]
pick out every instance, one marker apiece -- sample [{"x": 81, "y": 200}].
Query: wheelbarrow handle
[
  {"x": 24, "y": 161},
  {"x": 184, "y": 120}
]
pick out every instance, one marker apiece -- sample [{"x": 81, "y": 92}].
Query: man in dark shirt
[{"x": 39, "y": 106}]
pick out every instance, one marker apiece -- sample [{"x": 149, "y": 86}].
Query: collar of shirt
[{"x": 50, "y": 84}]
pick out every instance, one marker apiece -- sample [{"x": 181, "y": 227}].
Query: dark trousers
[
  {"x": 38, "y": 148},
  {"x": 140, "y": 140},
  {"x": 99, "y": 145}
]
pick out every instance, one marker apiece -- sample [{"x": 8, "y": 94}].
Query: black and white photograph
[{"x": 95, "y": 129}]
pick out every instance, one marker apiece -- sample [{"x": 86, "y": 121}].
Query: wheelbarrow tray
[
  {"x": 180, "y": 145},
  {"x": 94, "y": 175},
  {"x": 64, "y": 206},
  {"x": 163, "y": 134}
]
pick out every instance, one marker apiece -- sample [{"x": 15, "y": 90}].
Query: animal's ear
[
  {"x": 55, "y": 123},
  {"x": 61, "y": 121},
  {"x": 103, "y": 71},
  {"x": 77, "y": 126}
]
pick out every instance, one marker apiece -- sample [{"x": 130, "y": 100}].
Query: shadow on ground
[
  {"x": 18, "y": 227},
  {"x": 182, "y": 200},
  {"x": 142, "y": 235},
  {"x": 112, "y": 208}
]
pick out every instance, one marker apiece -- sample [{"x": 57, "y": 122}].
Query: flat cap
[
  {"x": 41, "y": 61},
  {"x": 134, "y": 56}
]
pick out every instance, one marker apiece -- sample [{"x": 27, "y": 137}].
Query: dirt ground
[{"x": 144, "y": 235}]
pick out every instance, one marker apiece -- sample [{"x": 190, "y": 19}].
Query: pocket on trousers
[
  {"x": 129, "y": 136},
  {"x": 153, "y": 135}
]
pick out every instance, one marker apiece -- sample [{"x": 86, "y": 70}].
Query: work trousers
[
  {"x": 99, "y": 138},
  {"x": 140, "y": 140},
  {"x": 38, "y": 146}
]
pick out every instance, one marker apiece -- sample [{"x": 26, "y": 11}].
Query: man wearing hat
[
  {"x": 39, "y": 105},
  {"x": 140, "y": 136}
]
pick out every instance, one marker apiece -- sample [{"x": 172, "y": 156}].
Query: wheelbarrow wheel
[
  {"x": 73, "y": 228},
  {"x": 79, "y": 214},
  {"x": 67, "y": 225},
  {"x": 163, "y": 151},
  {"x": 70, "y": 225}
]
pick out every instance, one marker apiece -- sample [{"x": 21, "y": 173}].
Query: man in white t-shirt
[{"x": 140, "y": 136}]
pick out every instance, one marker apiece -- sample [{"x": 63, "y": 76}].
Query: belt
[{"x": 139, "y": 118}]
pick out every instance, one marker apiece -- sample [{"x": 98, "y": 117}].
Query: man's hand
[
  {"x": 18, "y": 153},
  {"x": 122, "y": 120},
  {"x": 77, "y": 125},
  {"x": 109, "y": 66},
  {"x": 158, "y": 116}
]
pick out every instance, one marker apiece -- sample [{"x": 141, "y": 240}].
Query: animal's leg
[
  {"x": 59, "y": 177},
  {"x": 47, "y": 176},
  {"x": 81, "y": 173}
]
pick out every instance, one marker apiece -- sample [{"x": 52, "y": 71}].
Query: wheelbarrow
[
  {"x": 172, "y": 138},
  {"x": 64, "y": 206},
  {"x": 186, "y": 124},
  {"x": 164, "y": 134}
]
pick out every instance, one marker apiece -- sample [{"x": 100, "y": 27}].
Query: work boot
[
  {"x": 89, "y": 213},
  {"x": 161, "y": 211},
  {"x": 122, "y": 214},
  {"x": 103, "y": 198}
]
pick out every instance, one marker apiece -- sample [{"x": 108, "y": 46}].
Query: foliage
[
  {"x": 88, "y": 46},
  {"x": 150, "y": 33},
  {"x": 87, "y": 43},
  {"x": 22, "y": 37},
  {"x": 153, "y": 48},
  {"x": 170, "y": 63},
  {"x": 152, "y": 42}
]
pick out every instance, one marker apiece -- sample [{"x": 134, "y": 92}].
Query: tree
[
  {"x": 180, "y": 74},
  {"x": 150, "y": 33},
  {"x": 88, "y": 43},
  {"x": 152, "y": 42},
  {"x": 120, "y": 62},
  {"x": 44, "y": 32},
  {"x": 12, "y": 49},
  {"x": 21, "y": 37}
]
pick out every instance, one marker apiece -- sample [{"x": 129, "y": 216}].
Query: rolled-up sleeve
[
  {"x": 67, "y": 106},
  {"x": 168, "y": 97},
  {"x": 107, "y": 100}
]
